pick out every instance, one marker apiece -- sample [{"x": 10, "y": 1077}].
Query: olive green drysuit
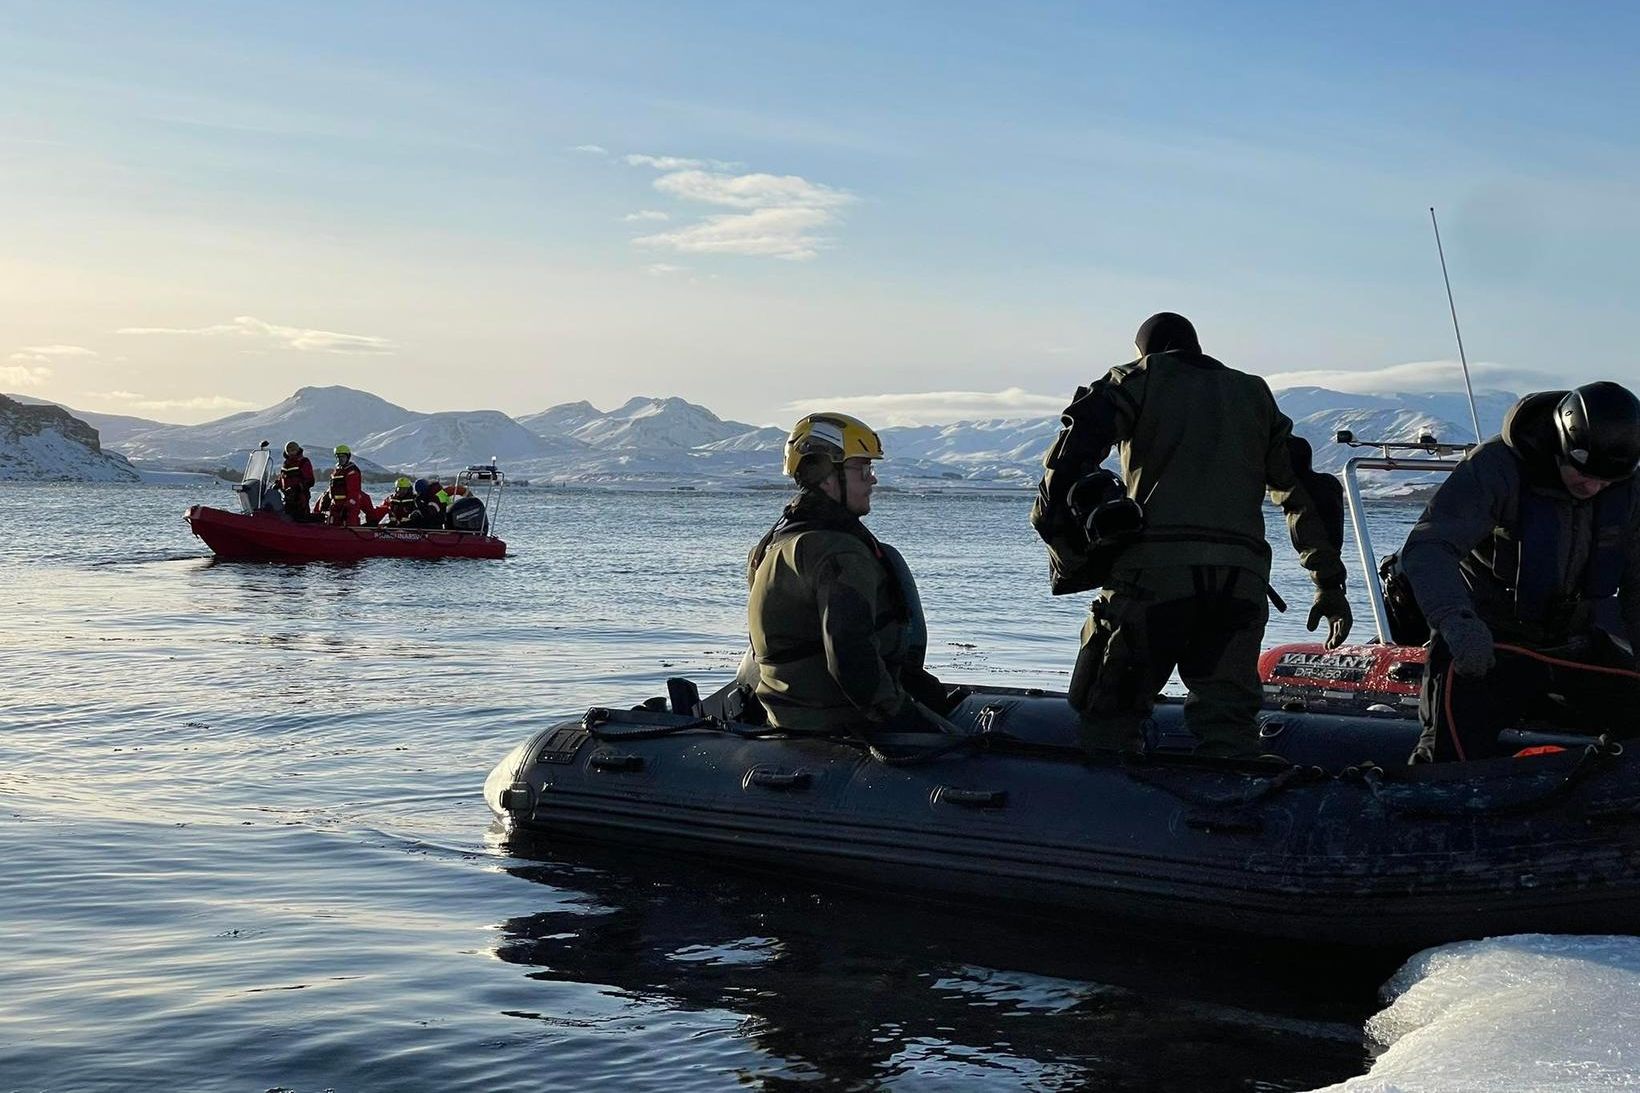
[
  {"x": 1200, "y": 443},
  {"x": 836, "y": 627}
]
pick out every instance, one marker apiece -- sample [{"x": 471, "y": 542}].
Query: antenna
[{"x": 1468, "y": 390}]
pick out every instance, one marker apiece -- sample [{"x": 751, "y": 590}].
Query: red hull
[{"x": 235, "y": 537}]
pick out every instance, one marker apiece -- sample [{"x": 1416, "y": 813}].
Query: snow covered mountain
[
  {"x": 664, "y": 442},
  {"x": 457, "y": 439},
  {"x": 47, "y": 443},
  {"x": 655, "y": 423},
  {"x": 561, "y": 420},
  {"x": 113, "y": 429},
  {"x": 318, "y": 418}
]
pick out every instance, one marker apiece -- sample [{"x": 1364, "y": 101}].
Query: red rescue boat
[
  {"x": 261, "y": 532},
  {"x": 266, "y": 537}
]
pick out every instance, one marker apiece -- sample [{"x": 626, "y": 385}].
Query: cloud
[
  {"x": 1414, "y": 377},
  {"x": 289, "y": 337},
  {"x": 784, "y": 215},
  {"x": 776, "y": 216},
  {"x": 679, "y": 163},
  {"x": 770, "y": 233},
  {"x": 753, "y": 191},
  {"x": 591, "y": 149},
  {"x": 661, "y": 269},
  {"x": 24, "y": 375},
  {"x": 198, "y": 402},
  {"x": 39, "y": 353},
  {"x": 936, "y": 407}
]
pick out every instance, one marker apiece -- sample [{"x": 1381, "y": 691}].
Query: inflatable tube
[{"x": 1341, "y": 844}]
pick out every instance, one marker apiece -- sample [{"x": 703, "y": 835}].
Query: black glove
[
  {"x": 1470, "y": 641},
  {"x": 1335, "y": 606}
]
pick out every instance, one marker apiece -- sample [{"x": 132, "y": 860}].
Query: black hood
[
  {"x": 1529, "y": 431},
  {"x": 1166, "y": 331}
]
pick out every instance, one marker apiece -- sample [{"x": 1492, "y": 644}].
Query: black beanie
[{"x": 1164, "y": 331}]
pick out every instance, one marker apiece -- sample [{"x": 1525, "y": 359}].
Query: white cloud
[
  {"x": 1414, "y": 377},
  {"x": 24, "y": 375},
  {"x": 38, "y": 353},
  {"x": 777, "y": 216},
  {"x": 935, "y": 407},
  {"x": 664, "y": 163},
  {"x": 679, "y": 163},
  {"x": 290, "y": 337},
  {"x": 753, "y": 191},
  {"x": 198, "y": 402},
  {"x": 769, "y": 233},
  {"x": 662, "y": 269},
  {"x": 591, "y": 149}
]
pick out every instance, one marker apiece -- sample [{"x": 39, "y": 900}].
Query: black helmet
[
  {"x": 1100, "y": 503},
  {"x": 1599, "y": 427}
]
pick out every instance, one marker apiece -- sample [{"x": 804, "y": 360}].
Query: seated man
[
  {"x": 1532, "y": 538},
  {"x": 400, "y": 506},
  {"x": 837, "y": 629}
]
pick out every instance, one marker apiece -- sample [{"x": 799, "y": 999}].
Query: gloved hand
[
  {"x": 1335, "y": 606},
  {"x": 1470, "y": 641}
]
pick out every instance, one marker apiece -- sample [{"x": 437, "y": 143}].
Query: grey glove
[
  {"x": 1335, "y": 606},
  {"x": 1470, "y": 641}
]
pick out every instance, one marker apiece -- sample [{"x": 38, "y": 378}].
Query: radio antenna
[{"x": 1468, "y": 390}]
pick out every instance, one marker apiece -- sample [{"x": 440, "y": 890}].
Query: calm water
[{"x": 242, "y": 844}]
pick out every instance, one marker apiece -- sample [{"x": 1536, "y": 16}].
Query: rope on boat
[{"x": 1596, "y": 755}]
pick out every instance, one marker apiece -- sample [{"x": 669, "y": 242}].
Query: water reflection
[{"x": 861, "y": 993}]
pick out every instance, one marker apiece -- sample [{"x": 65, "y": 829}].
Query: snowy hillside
[
  {"x": 665, "y": 442},
  {"x": 454, "y": 440},
  {"x": 318, "y": 418},
  {"x": 47, "y": 443},
  {"x": 113, "y": 429},
  {"x": 657, "y": 423},
  {"x": 561, "y": 420}
]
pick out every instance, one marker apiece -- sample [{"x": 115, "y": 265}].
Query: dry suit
[
  {"x": 836, "y": 627},
  {"x": 1199, "y": 444},
  {"x": 1544, "y": 570}
]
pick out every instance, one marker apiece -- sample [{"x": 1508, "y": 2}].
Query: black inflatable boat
[
  {"x": 1342, "y": 844},
  {"x": 1333, "y": 840}
]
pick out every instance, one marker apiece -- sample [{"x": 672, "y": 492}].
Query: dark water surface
[{"x": 242, "y": 843}]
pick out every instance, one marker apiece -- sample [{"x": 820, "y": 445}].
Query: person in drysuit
[
  {"x": 1200, "y": 444},
  {"x": 296, "y": 482},
  {"x": 837, "y": 633},
  {"x": 1533, "y": 541}
]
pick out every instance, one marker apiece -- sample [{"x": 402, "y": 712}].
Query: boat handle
[
  {"x": 972, "y": 798},
  {"x": 604, "y": 760},
  {"x": 778, "y": 779}
]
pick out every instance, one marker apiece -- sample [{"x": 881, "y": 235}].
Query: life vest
[
  {"x": 902, "y": 606},
  {"x": 296, "y": 473},
  {"x": 345, "y": 481},
  {"x": 1528, "y": 556}
]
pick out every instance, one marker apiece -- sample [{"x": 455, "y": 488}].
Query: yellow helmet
[
  {"x": 343, "y": 449},
  {"x": 835, "y": 436}
]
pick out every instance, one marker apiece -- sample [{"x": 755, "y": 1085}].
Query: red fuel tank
[{"x": 1351, "y": 677}]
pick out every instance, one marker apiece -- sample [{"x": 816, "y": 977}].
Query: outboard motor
[{"x": 467, "y": 514}]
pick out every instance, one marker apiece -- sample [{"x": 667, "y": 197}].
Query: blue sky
[{"x": 919, "y": 212}]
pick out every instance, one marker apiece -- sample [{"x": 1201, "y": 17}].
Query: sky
[{"x": 914, "y": 212}]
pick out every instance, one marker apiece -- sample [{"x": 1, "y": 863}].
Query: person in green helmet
[
  {"x": 1200, "y": 444},
  {"x": 837, "y": 630},
  {"x": 399, "y": 507}
]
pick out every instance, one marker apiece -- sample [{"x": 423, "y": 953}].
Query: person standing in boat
[
  {"x": 837, "y": 630},
  {"x": 345, "y": 501},
  {"x": 1533, "y": 542},
  {"x": 1200, "y": 443},
  {"x": 296, "y": 482}
]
